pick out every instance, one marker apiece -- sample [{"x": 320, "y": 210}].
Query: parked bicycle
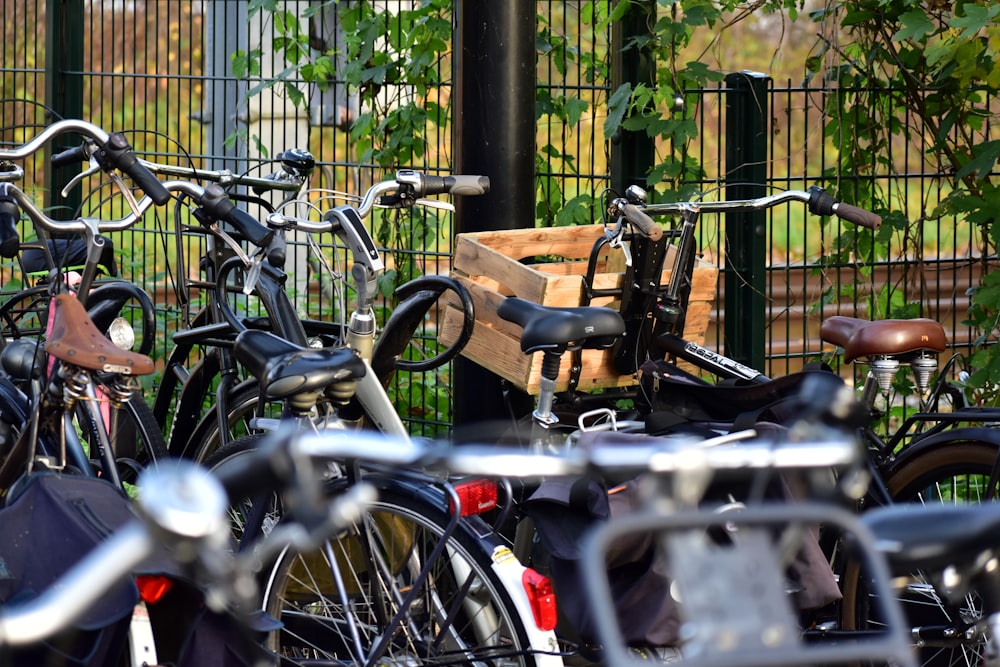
[
  {"x": 937, "y": 455},
  {"x": 76, "y": 393}
]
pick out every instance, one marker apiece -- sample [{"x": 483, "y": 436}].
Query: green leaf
[
  {"x": 617, "y": 106},
  {"x": 985, "y": 159},
  {"x": 575, "y": 108},
  {"x": 915, "y": 26},
  {"x": 976, "y": 18}
]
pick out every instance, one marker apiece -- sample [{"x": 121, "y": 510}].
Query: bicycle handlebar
[
  {"x": 112, "y": 152},
  {"x": 226, "y": 178},
  {"x": 642, "y": 222},
  {"x": 82, "y": 127},
  {"x": 211, "y": 197},
  {"x": 820, "y": 203},
  {"x": 405, "y": 189},
  {"x": 117, "y": 153}
]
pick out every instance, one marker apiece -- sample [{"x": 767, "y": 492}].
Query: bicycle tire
[
  {"x": 484, "y": 627},
  {"x": 238, "y": 514},
  {"x": 464, "y": 617},
  {"x": 930, "y": 477},
  {"x": 244, "y": 406},
  {"x": 135, "y": 437}
]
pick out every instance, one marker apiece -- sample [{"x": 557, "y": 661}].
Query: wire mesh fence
[{"x": 168, "y": 72}]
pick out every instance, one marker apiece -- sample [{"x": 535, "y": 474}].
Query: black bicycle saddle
[{"x": 559, "y": 329}]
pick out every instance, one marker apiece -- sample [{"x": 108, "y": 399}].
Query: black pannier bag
[
  {"x": 51, "y": 521},
  {"x": 44, "y": 530}
]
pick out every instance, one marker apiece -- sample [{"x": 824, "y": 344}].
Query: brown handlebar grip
[
  {"x": 858, "y": 216},
  {"x": 645, "y": 224}
]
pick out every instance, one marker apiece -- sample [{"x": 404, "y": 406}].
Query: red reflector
[
  {"x": 152, "y": 587},
  {"x": 542, "y": 598},
  {"x": 477, "y": 496}
]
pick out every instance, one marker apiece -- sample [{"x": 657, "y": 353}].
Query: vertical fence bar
[
  {"x": 632, "y": 153},
  {"x": 63, "y": 93},
  {"x": 747, "y": 138},
  {"x": 493, "y": 130}
]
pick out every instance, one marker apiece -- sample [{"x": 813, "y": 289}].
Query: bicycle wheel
[
  {"x": 459, "y": 612},
  {"x": 258, "y": 515},
  {"x": 243, "y": 408},
  {"x": 955, "y": 472},
  {"x": 134, "y": 434}
]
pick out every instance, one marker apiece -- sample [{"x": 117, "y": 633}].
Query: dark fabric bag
[
  {"x": 673, "y": 400},
  {"x": 51, "y": 523},
  {"x": 564, "y": 509}
]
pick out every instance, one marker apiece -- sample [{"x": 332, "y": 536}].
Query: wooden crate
[{"x": 488, "y": 263}]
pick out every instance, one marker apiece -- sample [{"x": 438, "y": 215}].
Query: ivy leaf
[
  {"x": 617, "y": 106},
  {"x": 575, "y": 107},
  {"x": 915, "y": 24},
  {"x": 986, "y": 155}
]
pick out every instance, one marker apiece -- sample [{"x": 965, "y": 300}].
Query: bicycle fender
[
  {"x": 964, "y": 434},
  {"x": 399, "y": 330}
]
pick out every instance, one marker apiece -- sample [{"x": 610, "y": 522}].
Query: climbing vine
[{"x": 921, "y": 73}]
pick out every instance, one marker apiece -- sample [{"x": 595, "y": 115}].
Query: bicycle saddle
[
  {"x": 866, "y": 338},
  {"x": 934, "y": 536},
  {"x": 76, "y": 340},
  {"x": 559, "y": 329},
  {"x": 286, "y": 369}
]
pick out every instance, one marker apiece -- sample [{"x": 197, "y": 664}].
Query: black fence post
[
  {"x": 493, "y": 121},
  {"x": 747, "y": 117},
  {"x": 63, "y": 95},
  {"x": 632, "y": 153}
]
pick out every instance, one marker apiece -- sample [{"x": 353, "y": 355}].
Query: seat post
[{"x": 542, "y": 415}]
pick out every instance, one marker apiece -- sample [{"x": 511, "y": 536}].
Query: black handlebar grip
[
  {"x": 822, "y": 203},
  {"x": 456, "y": 185},
  {"x": 217, "y": 203},
  {"x": 118, "y": 154},
  {"x": 858, "y": 216},
  {"x": 276, "y": 251},
  {"x": 645, "y": 224},
  {"x": 69, "y": 156},
  {"x": 10, "y": 240}
]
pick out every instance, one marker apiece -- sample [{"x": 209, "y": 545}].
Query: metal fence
[{"x": 163, "y": 70}]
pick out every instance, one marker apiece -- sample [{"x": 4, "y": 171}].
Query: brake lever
[
  {"x": 253, "y": 272},
  {"x": 76, "y": 180},
  {"x": 614, "y": 233},
  {"x": 219, "y": 233},
  {"x": 127, "y": 193},
  {"x": 436, "y": 203}
]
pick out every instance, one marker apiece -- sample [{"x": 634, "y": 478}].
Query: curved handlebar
[
  {"x": 211, "y": 197},
  {"x": 820, "y": 203},
  {"x": 406, "y": 188},
  {"x": 55, "y": 129},
  {"x": 113, "y": 152}
]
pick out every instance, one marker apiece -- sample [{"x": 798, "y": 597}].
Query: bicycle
[
  {"x": 84, "y": 379},
  {"x": 939, "y": 456},
  {"x": 417, "y": 522}
]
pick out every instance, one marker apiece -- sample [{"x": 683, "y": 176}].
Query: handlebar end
[{"x": 858, "y": 216}]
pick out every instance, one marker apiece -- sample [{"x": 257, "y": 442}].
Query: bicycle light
[
  {"x": 476, "y": 496},
  {"x": 152, "y": 587},
  {"x": 542, "y": 598},
  {"x": 121, "y": 333}
]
